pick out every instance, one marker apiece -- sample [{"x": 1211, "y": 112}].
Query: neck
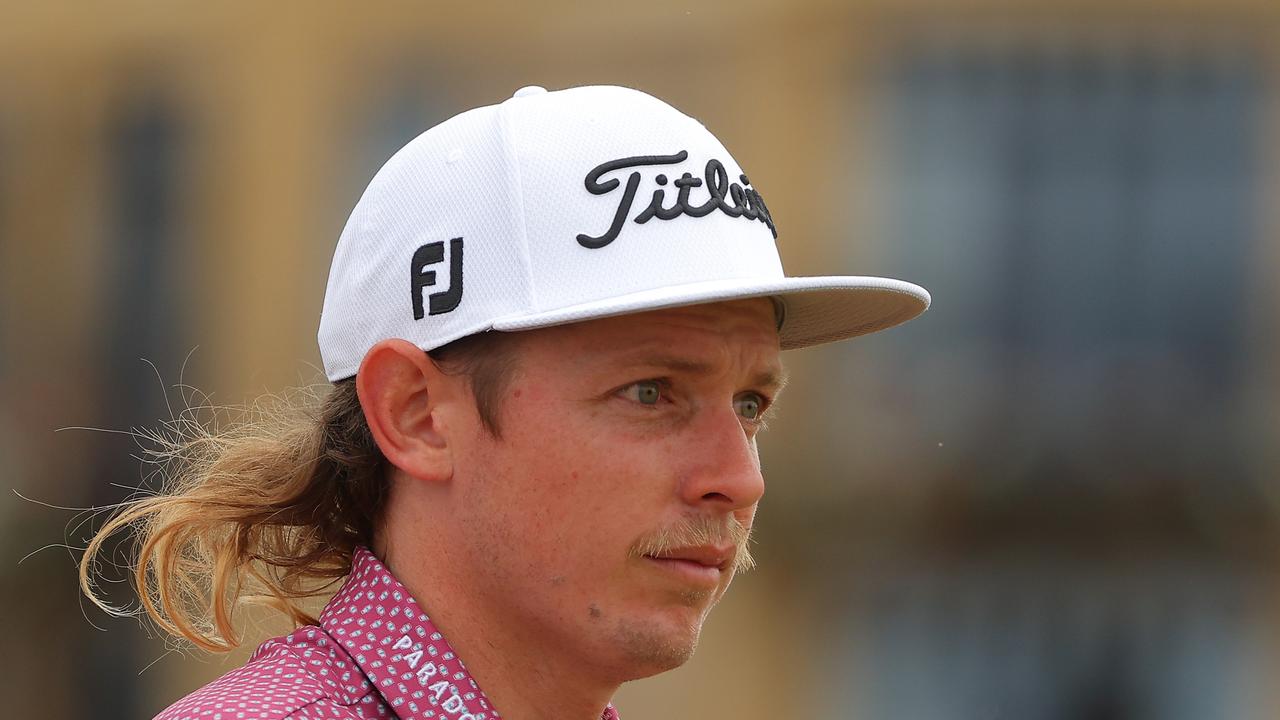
[
  {"x": 524, "y": 685},
  {"x": 520, "y": 672}
]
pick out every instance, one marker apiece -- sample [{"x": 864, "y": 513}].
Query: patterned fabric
[{"x": 375, "y": 654}]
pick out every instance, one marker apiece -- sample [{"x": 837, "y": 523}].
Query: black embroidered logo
[
  {"x": 420, "y": 278},
  {"x": 746, "y": 202}
]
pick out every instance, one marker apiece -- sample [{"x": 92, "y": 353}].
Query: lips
[
  {"x": 703, "y": 566},
  {"x": 710, "y": 556}
]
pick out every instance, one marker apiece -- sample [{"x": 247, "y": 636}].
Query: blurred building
[{"x": 1052, "y": 497}]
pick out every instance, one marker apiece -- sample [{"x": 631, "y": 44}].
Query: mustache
[{"x": 697, "y": 530}]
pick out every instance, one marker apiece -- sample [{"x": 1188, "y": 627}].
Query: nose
[{"x": 723, "y": 467}]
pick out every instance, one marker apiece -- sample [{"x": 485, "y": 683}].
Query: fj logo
[{"x": 420, "y": 278}]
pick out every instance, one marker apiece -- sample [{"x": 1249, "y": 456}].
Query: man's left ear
[{"x": 401, "y": 392}]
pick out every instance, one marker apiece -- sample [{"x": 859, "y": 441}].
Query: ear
[{"x": 402, "y": 393}]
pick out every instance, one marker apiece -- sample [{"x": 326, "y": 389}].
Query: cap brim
[{"x": 815, "y": 310}]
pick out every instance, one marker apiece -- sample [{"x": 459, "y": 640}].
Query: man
[{"x": 561, "y": 486}]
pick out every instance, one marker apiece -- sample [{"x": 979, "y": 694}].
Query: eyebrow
[{"x": 775, "y": 378}]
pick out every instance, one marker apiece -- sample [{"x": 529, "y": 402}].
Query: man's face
[{"x": 608, "y": 517}]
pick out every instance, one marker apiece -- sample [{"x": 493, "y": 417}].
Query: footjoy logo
[
  {"x": 742, "y": 201},
  {"x": 420, "y": 278}
]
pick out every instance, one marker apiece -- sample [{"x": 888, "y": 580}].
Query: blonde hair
[
  {"x": 267, "y": 512},
  {"x": 270, "y": 510}
]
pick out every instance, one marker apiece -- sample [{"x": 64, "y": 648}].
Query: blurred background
[{"x": 1051, "y": 497}]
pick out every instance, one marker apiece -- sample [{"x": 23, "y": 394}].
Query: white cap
[{"x": 557, "y": 207}]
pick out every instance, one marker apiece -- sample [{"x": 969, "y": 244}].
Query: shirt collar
[{"x": 399, "y": 649}]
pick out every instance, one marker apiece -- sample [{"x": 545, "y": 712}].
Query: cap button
[{"x": 529, "y": 90}]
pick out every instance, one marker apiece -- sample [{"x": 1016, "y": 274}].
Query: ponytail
[
  {"x": 267, "y": 513},
  {"x": 270, "y": 511}
]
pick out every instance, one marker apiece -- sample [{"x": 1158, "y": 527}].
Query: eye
[
  {"x": 750, "y": 405},
  {"x": 645, "y": 392}
]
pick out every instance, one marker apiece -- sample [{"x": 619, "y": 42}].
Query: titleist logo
[{"x": 729, "y": 198}]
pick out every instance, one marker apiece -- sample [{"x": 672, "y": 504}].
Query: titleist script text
[{"x": 742, "y": 200}]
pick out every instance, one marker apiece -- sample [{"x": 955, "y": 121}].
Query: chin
[{"x": 656, "y": 645}]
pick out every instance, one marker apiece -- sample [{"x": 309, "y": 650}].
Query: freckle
[{"x": 594, "y": 611}]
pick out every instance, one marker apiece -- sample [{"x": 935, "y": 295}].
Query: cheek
[
  {"x": 572, "y": 454},
  {"x": 540, "y": 497},
  {"x": 567, "y": 490}
]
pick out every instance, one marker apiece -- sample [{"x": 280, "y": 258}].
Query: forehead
[{"x": 744, "y": 329}]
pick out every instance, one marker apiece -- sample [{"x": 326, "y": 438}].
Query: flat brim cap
[
  {"x": 562, "y": 207},
  {"x": 811, "y": 310}
]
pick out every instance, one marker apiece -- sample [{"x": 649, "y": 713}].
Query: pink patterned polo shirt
[{"x": 375, "y": 654}]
